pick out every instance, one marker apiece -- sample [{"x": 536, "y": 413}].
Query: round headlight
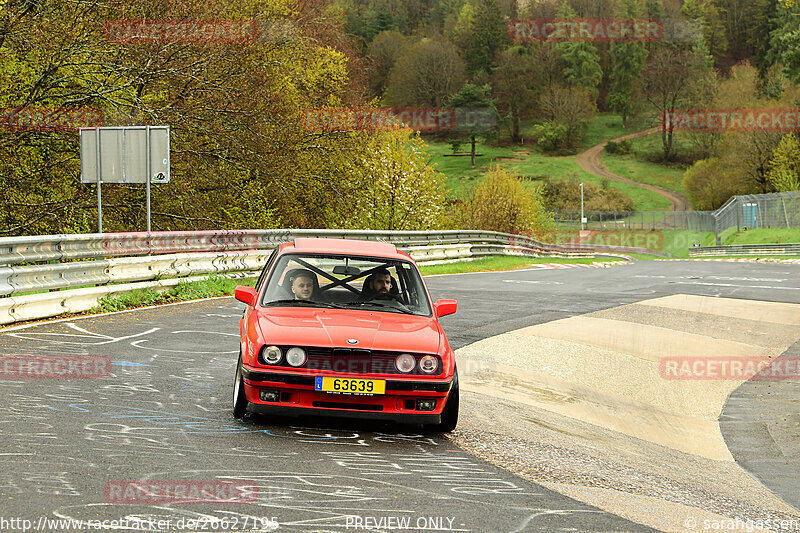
[
  {"x": 296, "y": 356},
  {"x": 405, "y": 363},
  {"x": 428, "y": 364},
  {"x": 272, "y": 355}
]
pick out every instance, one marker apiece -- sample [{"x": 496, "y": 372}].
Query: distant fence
[
  {"x": 773, "y": 210},
  {"x": 636, "y": 220},
  {"x": 746, "y": 249}
]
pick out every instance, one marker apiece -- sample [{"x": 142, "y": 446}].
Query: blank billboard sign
[{"x": 124, "y": 153}]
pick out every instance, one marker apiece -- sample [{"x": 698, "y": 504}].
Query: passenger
[{"x": 302, "y": 286}]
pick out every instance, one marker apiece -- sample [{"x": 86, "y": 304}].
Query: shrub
[
  {"x": 550, "y": 136},
  {"x": 566, "y": 195},
  {"x": 502, "y": 202},
  {"x": 710, "y": 182},
  {"x": 622, "y": 147}
]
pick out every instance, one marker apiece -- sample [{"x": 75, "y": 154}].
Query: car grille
[{"x": 353, "y": 406}]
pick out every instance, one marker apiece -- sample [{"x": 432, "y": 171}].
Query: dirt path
[{"x": 589, "y": 161}]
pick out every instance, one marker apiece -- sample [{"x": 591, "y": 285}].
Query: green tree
[
  {"x": 382, "y": 54},
  {"x": 710, "y": 183},
  {"x": 398, "y": 188},
  {"x": 653, "y": 9},
  {"x": 784, "y": 38},
  {"x": 516, "y": 86},
  {"x": 667, "y": 85},
  {"x": 377, "y": 20},
  {"x": 743, "y": 19},
  {"x": 571, "y": 107},
  {"x": 473, "y": 97},
  {"x": 240, "y": 156},
  {"x": 442, "y": 10},
  {"x": 427, "y": 73},
  {"x": 461, "y": 30},
  {"x": 488, "y": 34},
  {"x": 784, "y": 168},
  {"x": 581, "y": 63},
  {"x": 766, "y": 54},
  {"x": 706, "y": 13},
  {"x": 628, "y": 61}
]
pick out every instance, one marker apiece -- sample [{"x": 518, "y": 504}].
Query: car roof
[{"x": 344, "y": 247}]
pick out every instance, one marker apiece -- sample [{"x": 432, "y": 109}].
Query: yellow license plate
[{"x": 350, "y": 386}]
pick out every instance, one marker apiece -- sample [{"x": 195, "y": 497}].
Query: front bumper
[{"x": 298, "y": 397}]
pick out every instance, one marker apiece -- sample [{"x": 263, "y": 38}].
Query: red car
[{"x": 345, "y": 328}]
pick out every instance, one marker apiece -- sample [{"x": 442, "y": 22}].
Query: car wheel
[
  {"x": 450, "y": 412},
  {"x": 239, "y": 398}
]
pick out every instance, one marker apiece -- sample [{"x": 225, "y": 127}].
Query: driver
[
  {"x": 378, "y": 285},
  {"x": 381, "y": 281},
  {"x": 302, "y": 286}
]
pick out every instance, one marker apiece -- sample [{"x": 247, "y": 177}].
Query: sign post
[
  {"x": 131, "y": 154},
  {"x": 148, "y": 179}
]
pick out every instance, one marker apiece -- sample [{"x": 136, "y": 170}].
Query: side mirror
[
  {"x": 445, "y": 307},
  {"x": 245, "y": 295}
]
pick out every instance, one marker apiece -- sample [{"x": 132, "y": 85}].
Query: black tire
[
  {"x": 240, "y": 402},
  {"x": 450, "y": 412}
]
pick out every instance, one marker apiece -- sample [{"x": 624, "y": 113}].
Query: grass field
[
  {"x": 637, "y": 167},
  {"x": 192, "y": 290},
  {"x": 604, "y": 127},
  {"x": 764, "y": 236},
  {"x": 534, "y": 166}
]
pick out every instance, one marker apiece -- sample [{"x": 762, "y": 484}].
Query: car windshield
[{"x": 374, "y": 284}]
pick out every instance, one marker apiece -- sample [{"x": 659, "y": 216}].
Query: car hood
[{"x": 333, "y": 327}]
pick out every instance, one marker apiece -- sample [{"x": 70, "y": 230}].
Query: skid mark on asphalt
[{"x": 159, "y": 415}]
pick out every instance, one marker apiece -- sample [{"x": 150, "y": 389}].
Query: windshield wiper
[{"x": 310, "y": 303}]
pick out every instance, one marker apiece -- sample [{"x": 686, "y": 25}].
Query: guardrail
[
  {"x": 18, "y": 250},
  {"x": 113, "y": 263},
  {"x": 746, "y": 249}
]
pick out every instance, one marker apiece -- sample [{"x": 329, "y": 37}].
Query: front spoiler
[{"x": 401, "y": 418}]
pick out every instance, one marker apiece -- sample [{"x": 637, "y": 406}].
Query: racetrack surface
[{"x": 164, "y": 414}]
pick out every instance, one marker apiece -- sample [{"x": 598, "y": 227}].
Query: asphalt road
[{"x": 164, "y": 414}]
